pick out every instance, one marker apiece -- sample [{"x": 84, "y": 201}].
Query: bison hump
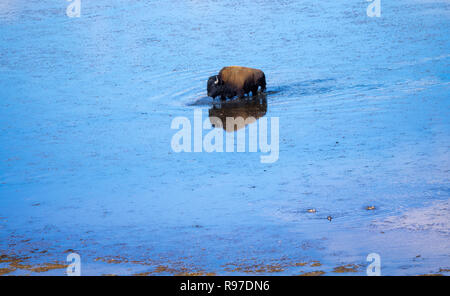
[{"x": 237, "y": 76}]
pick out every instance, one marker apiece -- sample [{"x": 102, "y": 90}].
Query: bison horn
[{"x": 217, "y": 80}]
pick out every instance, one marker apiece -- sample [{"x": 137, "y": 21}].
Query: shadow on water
[{"x": 243, "y": 111}]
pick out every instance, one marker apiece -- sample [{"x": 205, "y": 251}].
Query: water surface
[{"x": 86, "y": 164}]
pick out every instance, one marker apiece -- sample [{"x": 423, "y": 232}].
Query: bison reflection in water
[{"x": 247, "y": 109}]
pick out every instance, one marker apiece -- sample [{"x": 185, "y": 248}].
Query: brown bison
[{"x": 236, "y": 81}]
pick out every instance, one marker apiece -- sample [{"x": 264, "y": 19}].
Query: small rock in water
[
  {"x": 329, "y": 218},
  {"x": 312, "y": 210},
  {"x": 370, "y": 208}
]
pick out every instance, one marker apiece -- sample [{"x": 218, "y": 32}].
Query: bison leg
[
  {"x": 263, "y": 86},
  {"x": 255, "y": 91},
  {"x": 240, "y": 94}
]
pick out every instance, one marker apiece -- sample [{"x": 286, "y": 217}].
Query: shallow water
[{"x": 86, "y": 163}]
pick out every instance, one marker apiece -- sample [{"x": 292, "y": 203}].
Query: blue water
[{"x": 86, "y": 164}]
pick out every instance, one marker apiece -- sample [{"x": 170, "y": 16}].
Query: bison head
[{"x": 214, "y": 86}]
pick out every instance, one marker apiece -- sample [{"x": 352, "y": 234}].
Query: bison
[{"x": 236, "y": 81}]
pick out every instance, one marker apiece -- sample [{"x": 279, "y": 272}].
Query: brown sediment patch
[
  {"x": 48, "y": 266},
  {"x": 109, "y": 274},
  {"x": 313, "y": 273},
  {"x": 4, "y": 271},
  {"x": 3, "y": 258},
  {"x": 173, "y": 271},
  {"x": 438, "y": 273},
  {"x": 346, "y": 268},
  {"x": 165, "y": 268},
  {"x": 255, "y": 268},
  {"x": 39, "y": 268},
  {"x": 112, "y": 260},
  {"x": 121, "y": 260},
  {"x": 315, "y": 263},
  {"x": 11, "y": 259},
  {"x": 37, "y": 251},
  {"x": 182, "y": 271},
  {"x": 196, "y": 274},
  {"x": 15, "y": 262},
  {"x": 273, "y": 267},
  {"x": 143, "y": 273},
  {"x": 300, "y": 264},
  {"x": 19, "y": 263}
]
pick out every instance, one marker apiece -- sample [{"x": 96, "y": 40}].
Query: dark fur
[{"x": 236, "y": 81}]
